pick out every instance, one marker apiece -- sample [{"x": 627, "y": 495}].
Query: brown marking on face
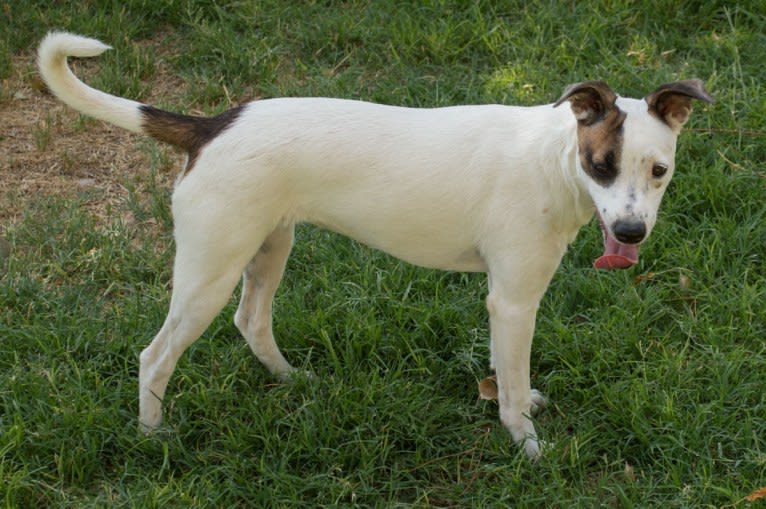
[
  {"x": 599, "y": 128},
  {"x": 189, "y": 133},
  {"x": 600, "y": 146}
]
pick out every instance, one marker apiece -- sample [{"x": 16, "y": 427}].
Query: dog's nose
[{"x": 629, "y": 232}]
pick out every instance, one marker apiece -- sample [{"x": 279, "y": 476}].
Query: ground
[{"x": 48, "y": 149}]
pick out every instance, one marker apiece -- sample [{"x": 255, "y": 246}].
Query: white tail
[{"x": 52, "y": 62}]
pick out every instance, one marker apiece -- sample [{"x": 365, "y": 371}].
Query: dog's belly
[{"x": 413, "y": 245}]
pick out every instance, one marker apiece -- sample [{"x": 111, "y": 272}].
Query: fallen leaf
[
  {"x": 38, "y": 84},
  {"x": 630, "y": 474},
  {"x": 643, "y": 278},
  {"x": 488, "y": 388},
  {"x": 756, "y": 495}
]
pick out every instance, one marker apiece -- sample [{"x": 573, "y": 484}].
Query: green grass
[{"x": 656, "y": 375}]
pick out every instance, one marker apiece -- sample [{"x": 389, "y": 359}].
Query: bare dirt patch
[{"x": 47, "y": 149}]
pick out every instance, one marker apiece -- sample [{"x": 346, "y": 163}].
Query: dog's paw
[
  {"x": 147, "y": 428},
  {"x": 150, "y": 415},
  {"x": 296, "y": 375},
  {"x": 533, "y": 448},
  {"x": 538, "y": 402}
]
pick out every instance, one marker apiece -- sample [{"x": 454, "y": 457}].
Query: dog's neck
[{"x": 558, "y": 157}]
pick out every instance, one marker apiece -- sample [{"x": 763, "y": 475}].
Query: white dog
[{"x": 495, "y": 189}]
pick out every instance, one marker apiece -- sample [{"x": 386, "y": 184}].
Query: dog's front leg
[{"x": 512, "y": 323}]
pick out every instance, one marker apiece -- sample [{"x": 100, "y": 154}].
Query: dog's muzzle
[{"x": 620, "y": 250}]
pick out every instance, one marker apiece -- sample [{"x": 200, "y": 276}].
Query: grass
[{"x": 656, "y": 375}]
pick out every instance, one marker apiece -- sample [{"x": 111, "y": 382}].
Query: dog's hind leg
[
  {"x": 192, "y": 308},
  {"x": 209, "y": 260},
  {"x": 260, "y": 280}
]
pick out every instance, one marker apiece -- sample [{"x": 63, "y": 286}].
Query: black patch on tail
[{"x": 187, "y": 132}]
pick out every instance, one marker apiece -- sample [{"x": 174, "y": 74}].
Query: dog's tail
[
  {"x": 187, "y": 132},
  {"x": 52, "y": 61}
]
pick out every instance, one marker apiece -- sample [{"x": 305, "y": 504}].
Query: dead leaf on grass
[
  {"x": 756, "y": 495},
  {"x": 643, "y": 278},
  {"x": 488, "y": 388},
  {"x": 630, "y": 473}
]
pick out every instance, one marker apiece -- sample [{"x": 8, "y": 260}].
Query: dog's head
[{"x": 626, "y": 156}]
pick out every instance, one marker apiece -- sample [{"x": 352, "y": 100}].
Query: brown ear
[
  {"x": 672, "y": 102},
  {"x": 590, "y": 100}
]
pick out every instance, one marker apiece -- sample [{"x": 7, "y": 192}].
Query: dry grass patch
[{"x": 49, "y": 150}]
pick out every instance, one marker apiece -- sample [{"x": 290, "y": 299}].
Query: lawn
[{"x": 656, "y": 376}]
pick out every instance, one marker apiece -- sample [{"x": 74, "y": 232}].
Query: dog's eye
[{"x": 659, "y": 170}]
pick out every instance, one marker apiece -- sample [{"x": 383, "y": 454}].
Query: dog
[{"x": 485, "y": 188}]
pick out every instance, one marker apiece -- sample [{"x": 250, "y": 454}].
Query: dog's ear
[
  {"x": 672, "y": 102},
  {"x": 590, "y": 100}
]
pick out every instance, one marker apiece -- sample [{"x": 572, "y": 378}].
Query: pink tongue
[{"x": 616, "y": 255}]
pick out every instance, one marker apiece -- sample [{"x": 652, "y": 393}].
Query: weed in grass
[
  {"x": 126, "y": 72},
  {"x": 42, "y": 133}
]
